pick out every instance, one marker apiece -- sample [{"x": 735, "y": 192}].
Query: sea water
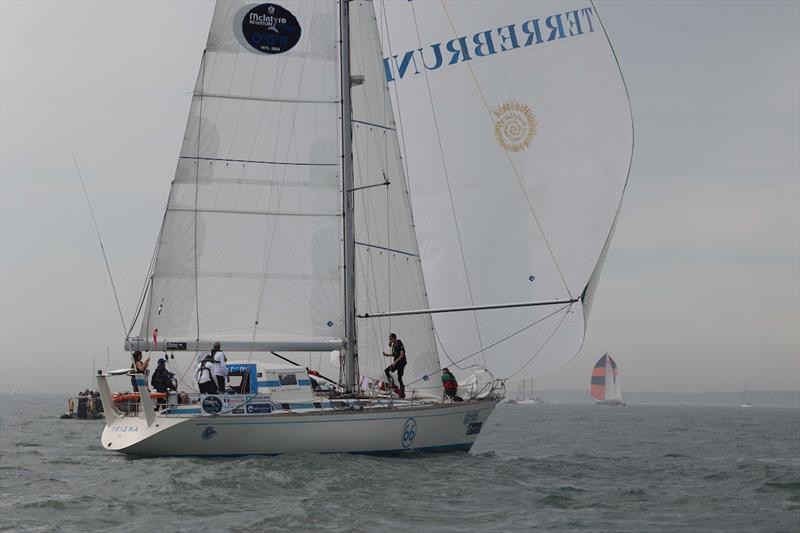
[{"x": 534, "y": 468}]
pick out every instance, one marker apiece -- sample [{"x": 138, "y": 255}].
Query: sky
[{"x": 701, "y": 287}]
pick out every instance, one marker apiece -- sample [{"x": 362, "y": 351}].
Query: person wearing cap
[
  {"x": 205, "y": 376},
  {"x": 399, "y": 363},
  {"x": 163, "y": 380}
]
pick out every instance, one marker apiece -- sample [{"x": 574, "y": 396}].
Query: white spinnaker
[
  {"x": 618, "y": 384},
  {"x": 527, "y": 221},
  {"x": 388, "y": 268},
  {"x": 249, "y": 248}
]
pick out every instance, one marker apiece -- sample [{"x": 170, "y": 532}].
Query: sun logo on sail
[{"x": 514, "y": 126}]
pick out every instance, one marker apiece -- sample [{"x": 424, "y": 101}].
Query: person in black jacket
[
  {"x": 163, "y": 380},
  {"x": 399, "y": 364}
]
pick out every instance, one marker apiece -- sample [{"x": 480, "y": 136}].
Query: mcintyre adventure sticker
[
  {"x": 270, "y": 29},
  {"x": 211, "y": 405}
]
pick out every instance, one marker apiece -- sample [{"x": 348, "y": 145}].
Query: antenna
[{"x": 100, "y": 240}]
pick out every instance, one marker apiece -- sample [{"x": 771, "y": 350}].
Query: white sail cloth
[
  {"x": 517, "y": 136},
  {"x": 249, "y": 249},
  {"x": 388, "y": 267}
]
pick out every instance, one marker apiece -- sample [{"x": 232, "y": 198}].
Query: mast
[{"x": 349, "y": 258}]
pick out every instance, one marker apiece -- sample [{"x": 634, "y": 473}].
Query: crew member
[
  {"x": 140, "y": 367},
  {"x": 450, "y": 385},
  {"x": 399, "y": 363},
  {"x": 205, "y": 376},
  {"x": 220, "y": 369},
  {"x": 163, "y": 380}
]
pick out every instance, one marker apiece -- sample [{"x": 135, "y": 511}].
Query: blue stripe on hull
[{"x": 463, "y": 447}]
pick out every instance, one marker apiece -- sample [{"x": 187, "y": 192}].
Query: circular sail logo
[
  {"x": 270, "y": 29},
  {"x": 514, "y": 126}
]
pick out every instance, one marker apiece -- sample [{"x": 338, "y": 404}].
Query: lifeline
[{"x": 483, "y": 43}]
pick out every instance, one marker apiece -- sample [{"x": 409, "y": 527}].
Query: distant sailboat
[
  {"x": 606, "y": 383},
  {"x": 745, "y": 401},
  {"x": 526, "y": 394}
]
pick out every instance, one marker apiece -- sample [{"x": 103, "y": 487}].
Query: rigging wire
[
  {"x": 510, "y": 335},
  {"x": 545, "y": 343},
  {"x": 100, "y": 241},
  {"x": 197, "y": 191},
  {"x": 147, "y": 282}
]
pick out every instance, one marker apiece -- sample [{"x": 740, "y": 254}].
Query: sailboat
[
  {"x": 526, "y": 394},
  {"x": 289, "y": 235},
  {"x": 606, "y": 382},
  {"x": 745, "y": 402}
]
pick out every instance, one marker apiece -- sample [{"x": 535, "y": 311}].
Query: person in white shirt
[
  {"x": 205, "y": 376},
  {"x": 220, "y": 369}
]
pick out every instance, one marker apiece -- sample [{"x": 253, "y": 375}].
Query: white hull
[
  {"x": 530, "y": 401},
  {"x": 440, "y": 427},
  {"x": 612, "y": 403}
]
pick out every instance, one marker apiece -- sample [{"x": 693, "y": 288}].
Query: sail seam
[
  {"x": 255, "y": 181},
  {"x": 296, "y": 163},
  {"x": 265, "y": 99},
  {"x": 264, "y": 213},
  {"x": 245, "y": 275}
]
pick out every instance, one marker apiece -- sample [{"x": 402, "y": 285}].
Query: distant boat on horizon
[
  {"x": 606, "y": 385},
  {"x": 745, "y": 402},
  {"x": 526, "y": 395}
]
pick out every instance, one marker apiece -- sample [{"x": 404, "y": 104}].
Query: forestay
[
  {"x": 250, "y": 248},
  {"x": 517, "y": 138}
]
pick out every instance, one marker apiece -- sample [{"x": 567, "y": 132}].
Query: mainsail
[
  {"x": 606, "y": 384},
  {"x": 250, "y": 251},
  {"x": 517, "y": 139}
]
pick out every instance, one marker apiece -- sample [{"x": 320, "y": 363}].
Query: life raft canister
[{"x": 119, "y": 397}]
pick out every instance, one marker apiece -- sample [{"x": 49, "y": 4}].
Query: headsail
[
  {"x": 388, "y": 266},
  {"x": 517, "y": 136},
  {"x": 249, "y": 248}
]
